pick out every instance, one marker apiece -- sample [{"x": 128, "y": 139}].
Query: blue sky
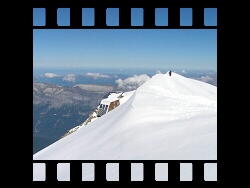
[{"x": 126, "y": 48}]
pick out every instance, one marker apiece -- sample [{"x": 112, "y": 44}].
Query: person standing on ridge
[{"x": 170, "y": 73}]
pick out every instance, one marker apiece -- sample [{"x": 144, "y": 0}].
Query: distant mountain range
[{"x": 56, "y": 109}]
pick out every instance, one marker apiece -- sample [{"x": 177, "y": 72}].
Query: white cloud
[
  {"x": 50, "y": 75},
  {"x": 206, "y": 78},
  {"x": 69, "y": 78},
  {"x": 132, "y": 82},
  {"x": 97, "y": 75}
]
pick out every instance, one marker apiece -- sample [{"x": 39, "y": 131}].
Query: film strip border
[
  {"x": 125, "y": 22},
  {"x": 125, "y": 17},
  {"x": 173, "y": 170}
]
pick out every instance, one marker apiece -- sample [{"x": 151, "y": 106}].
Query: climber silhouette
[{"x": 170, "y": 73}]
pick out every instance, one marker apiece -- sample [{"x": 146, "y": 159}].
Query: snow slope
[{"x": 166, "y": 118}]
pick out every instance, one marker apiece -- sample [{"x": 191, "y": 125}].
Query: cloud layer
[
  {"x": 50, "y": 75},
  {"x": 206, "y": 78},
  {"x": 132, "y": 82},
  {"x": 69, "y": 78},
  {"x": 97, "y": 75}
]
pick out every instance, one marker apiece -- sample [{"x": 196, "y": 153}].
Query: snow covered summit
[{"x": 166, "y": 118}]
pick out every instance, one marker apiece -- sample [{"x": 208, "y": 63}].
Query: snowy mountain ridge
[
  {"x": 166, "y": 118},
  {"x": 162, "y": 103},
  {"x": 93, "y": 116}
]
